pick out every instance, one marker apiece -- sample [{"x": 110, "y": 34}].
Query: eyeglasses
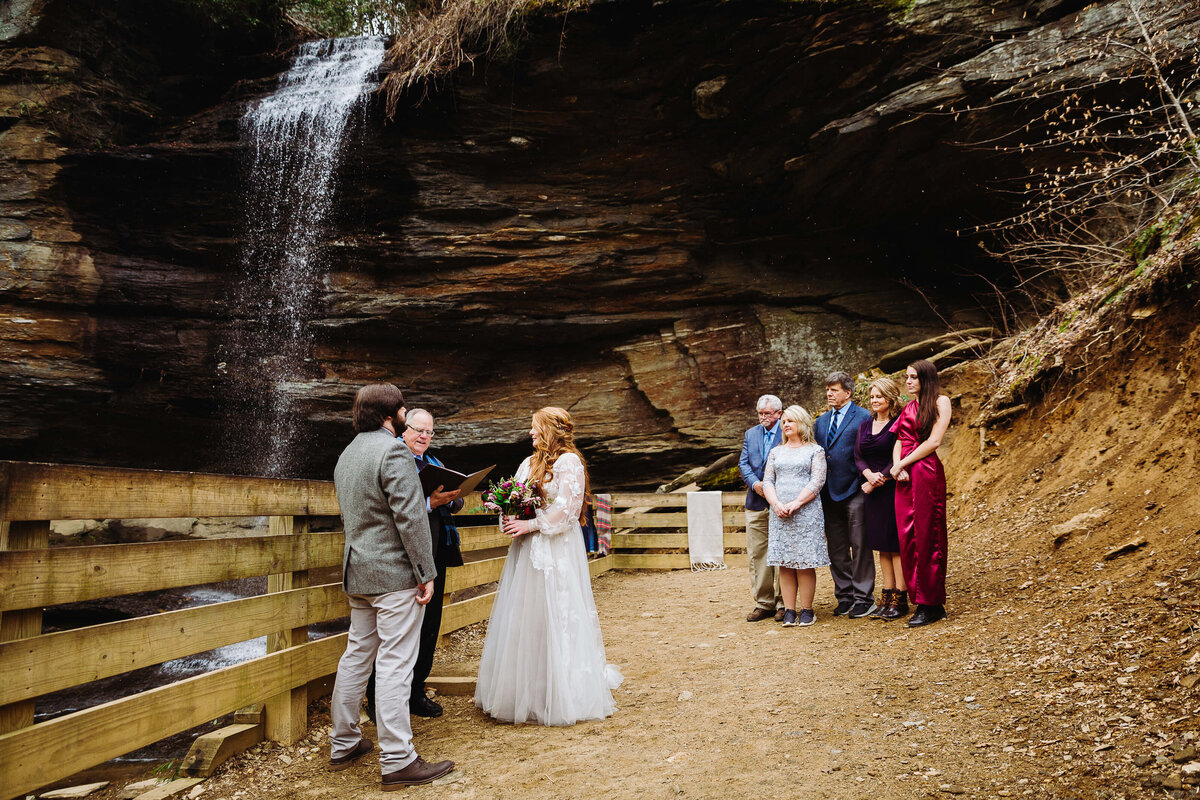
[
  {"x": 768, "y": 413},
  {"x": 421, "y": 431}
]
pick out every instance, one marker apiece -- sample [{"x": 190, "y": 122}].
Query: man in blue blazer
[
  {"x": 757, "y": 443},
  {"x": 852, "y": 563}
]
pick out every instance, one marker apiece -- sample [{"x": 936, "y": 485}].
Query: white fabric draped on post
[{"x": 706, "y": 533}]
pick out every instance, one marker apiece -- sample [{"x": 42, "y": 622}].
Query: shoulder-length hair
[
  {"x": 927, "y": 397},
  {"x": 891, "y": 392},
  {"x": 556, "y": 436},
  {"x": 803, "y": 420}
]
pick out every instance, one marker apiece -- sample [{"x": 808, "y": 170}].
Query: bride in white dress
[{"x": 543, "y": 658}]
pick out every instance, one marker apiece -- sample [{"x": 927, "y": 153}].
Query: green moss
[
  {"x": 1146, "y": 243},
  {"x": 725, "y": 480}
]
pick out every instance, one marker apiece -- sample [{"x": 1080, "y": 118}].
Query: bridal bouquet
[{"x": 512, "y": 497}]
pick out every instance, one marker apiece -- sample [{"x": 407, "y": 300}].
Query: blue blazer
[
  {"x": 753, "y": 461},
  {"x": 842, "y": 478}
]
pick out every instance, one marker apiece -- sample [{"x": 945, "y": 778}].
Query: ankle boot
[
  {"x": 885, "y": 597},
  {"x": 897, "y": 605}
]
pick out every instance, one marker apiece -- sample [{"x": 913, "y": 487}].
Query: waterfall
[{"x": 293, "y": 141}]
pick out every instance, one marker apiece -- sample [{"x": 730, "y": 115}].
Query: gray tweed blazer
[{"x": 388, "y": 544}]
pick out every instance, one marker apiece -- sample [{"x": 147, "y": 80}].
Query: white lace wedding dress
[{"x": 543, "y": 658}]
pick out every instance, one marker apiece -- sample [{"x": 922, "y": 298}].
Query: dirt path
[{"x": 715, "y": 707}]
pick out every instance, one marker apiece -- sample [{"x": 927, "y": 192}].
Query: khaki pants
[
  {"x": 764, "y": 580},
  {"x": 384, "y": 629}
]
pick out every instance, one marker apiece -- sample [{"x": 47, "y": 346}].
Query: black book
[{"x": 433, "y": 476}]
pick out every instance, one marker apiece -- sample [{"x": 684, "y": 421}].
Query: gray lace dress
[{"x": 797, "y": 542}]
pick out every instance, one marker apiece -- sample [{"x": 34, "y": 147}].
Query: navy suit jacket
[
  {"x": 753, "y": 461},
  {"x": 842, "y": 478},
  {"x": 446, "y": 551}
]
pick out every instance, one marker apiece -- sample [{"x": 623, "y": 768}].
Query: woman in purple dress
[
  {"x": 921, "y": 491},
  {"x": 873, "y": 450}
]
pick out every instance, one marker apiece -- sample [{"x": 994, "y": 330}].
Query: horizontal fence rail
[
  {"x": 56, "y": 492},
  {"x": 36, "y": 578},
  {"x": 649, "y": 532}
]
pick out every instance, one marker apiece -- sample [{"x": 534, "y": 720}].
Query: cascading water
[{"x": 294, "y": 142}]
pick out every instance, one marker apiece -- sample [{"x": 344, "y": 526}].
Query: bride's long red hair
[{"x": 556, "y": 435}]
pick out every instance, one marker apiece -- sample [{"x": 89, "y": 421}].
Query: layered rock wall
[{"x": 648, "y": 213}]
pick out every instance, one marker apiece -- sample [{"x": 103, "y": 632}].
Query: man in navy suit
[
  {"x": 764, "y": 580},
  {"x": 852, "y": 563},
  {"x": 418, "y": 435}
]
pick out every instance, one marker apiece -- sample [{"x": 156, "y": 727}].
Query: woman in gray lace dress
[{"x": 792, "y": 481}]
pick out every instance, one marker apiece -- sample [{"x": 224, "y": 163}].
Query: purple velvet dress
[
  {"x": 874, "y": 452},
  {"x": 921, "y": 517}
]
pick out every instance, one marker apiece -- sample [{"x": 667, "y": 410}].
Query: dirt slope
[{"x": 1067, "y": 667}]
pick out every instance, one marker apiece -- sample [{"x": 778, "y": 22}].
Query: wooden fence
[{"x": 34, "y": 576}]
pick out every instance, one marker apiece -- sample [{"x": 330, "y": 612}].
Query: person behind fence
[
  {"x": 792, "y": 480},
  {"x": 543, "y": 658},
  {"x": 873, "y": 457},
  {"x": 921, "y": 491},
  {"x": 852, "y": 562},
  {"x": 756, "y": 446},
  {"x": 418, "y": 435},
  {"x": 388, "y": 572}
]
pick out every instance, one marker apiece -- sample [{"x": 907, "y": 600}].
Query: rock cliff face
[{"x": 650, "y": 215}]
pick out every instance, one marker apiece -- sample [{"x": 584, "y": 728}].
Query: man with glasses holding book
[{"x": 440, "y": 505}]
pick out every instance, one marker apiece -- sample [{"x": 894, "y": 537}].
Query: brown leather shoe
[
  {"x": 779, "y": 614},
  {"x": 418, "y": 772},
  {"x": 759, "y": 614},
  {"x": 363, "y": 747}
]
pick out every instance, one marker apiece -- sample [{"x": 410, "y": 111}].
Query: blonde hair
[
  {"x": 803, "y": 420},
  {"x": 556, "y": 436},
  {"x": 891, "y": 392}
]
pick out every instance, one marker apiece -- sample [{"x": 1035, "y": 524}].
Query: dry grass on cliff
[
  {"x": 1086, "y": 329},
  {"x": 461, "y": 32}
]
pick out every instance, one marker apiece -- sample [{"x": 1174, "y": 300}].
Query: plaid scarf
[{"x": 604, "y": 522}]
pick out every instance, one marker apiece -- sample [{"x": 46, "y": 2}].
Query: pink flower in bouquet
[{"x": 512, "y": 498}]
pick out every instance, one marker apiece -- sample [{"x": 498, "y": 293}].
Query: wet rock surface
[{"x": 650, "y": 217}]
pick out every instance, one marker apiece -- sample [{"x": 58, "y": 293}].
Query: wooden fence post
[
  {"x": 287, "y": 713},
  {"x": 19, "y": 535}
]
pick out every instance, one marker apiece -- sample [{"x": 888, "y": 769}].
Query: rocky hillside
[{"x": 647, "y": 213}]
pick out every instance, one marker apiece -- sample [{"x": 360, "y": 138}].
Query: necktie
[
  {"x": 832, "y": 426},
  {"x": 420, "y": 462},
  {"x": 768, "y": 439}
]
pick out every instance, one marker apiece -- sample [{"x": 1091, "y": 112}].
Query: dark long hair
[{"x": 927, "y": 397}]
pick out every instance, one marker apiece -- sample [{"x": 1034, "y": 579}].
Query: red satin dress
[{"x": 921, "y": 517}]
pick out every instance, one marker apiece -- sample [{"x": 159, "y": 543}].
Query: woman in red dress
[{"x": 921, "y": 492}]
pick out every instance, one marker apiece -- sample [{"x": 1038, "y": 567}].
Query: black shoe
[
  {"x": 358, "y": 751},
  {"x": 926, "y": 614},
  {"x": 422, "y": 706},
  {"x": 861, "y": 609},
  {"x": 843, "y": 608}
]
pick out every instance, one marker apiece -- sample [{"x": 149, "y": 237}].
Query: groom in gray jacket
[{"x": 387, "y": 572}]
